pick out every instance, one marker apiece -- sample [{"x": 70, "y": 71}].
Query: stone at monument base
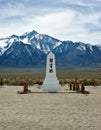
[{"x": 51, "y": 84}]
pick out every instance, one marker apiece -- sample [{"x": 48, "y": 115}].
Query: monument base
[{"x": 51, "y": 84}]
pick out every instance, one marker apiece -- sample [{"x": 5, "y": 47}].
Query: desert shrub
[
  {"x": 18, "y": 77},
  {"x": 39, "y": 82},
  {"x": 88, "y": 82},
  {"x": 63, "y": 81},
  {"x": 60, "y": 82}
]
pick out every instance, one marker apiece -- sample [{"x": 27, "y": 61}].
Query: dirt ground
[{"x": 49, "y": 111}]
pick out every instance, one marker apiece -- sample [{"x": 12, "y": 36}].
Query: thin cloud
[{"x": 64, "y": 19}]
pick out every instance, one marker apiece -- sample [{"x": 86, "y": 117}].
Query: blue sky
[{"x": 76, "y": 20}]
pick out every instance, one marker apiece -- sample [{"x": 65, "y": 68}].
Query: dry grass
[{"x": 32, "y": 76}]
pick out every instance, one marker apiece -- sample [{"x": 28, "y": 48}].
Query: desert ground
[{"x": 50, "y": 111}]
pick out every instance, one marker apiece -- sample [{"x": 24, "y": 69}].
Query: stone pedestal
[{"x": 51, "y": 83}]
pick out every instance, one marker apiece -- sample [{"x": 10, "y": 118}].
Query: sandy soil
[{"x": 49, "y": 111}]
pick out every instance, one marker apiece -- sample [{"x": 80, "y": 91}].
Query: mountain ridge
[{"x": 35, "y": 47}]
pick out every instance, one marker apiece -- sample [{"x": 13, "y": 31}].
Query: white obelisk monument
[{"x": 51, "y": 83}]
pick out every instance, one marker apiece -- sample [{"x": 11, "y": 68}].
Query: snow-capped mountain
[
  {"x": 5, "y": 43},
  {"x": 41, "y": 42},
  {"x": 30, "y": 49},
  {"x": 78, "y": 54}
]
